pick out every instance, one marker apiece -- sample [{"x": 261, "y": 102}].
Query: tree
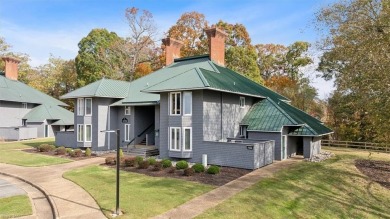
[
  {"x": 271, "y": 59},
  {"x": 97, "y": 58},
  {"x": 189, "y": 29},
  {"x": 355, "y": 45}
]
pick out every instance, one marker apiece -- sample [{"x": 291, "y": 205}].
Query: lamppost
[{"x": 117, "y": 131}]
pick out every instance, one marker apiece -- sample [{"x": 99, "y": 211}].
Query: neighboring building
[
  {"x": 193, "y": 107},
  {"x": 25, "y": 112}
]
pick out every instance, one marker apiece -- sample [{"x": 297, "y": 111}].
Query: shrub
[
  {"x": 171, "y": 169},
  {"x": 144, "y": 164},
  {"x": 198, "y": 168},
  {"x": 120, "y": 153},
  {"x": 213, "y": 170},
  {"x": 130, "y": 162},
  {"x": 110, "y": 160},
  {"x": 77, "y": 153},
  {"x": 189, "y": 172},
  {"x": 68, "y": 150},
  {"x": 157, "y": 166},
  {"x": 181, "y": 165},
  {"x": 166, "y": 163},
  {"x": 61, "y": 150},
  {"x": 138, "y": 160},
  {"x": 152, "y": 161},
  {"x": 72, "y": 154},
  {"x": 88, "y": 152},
  {"x": 45, "y": 148}
]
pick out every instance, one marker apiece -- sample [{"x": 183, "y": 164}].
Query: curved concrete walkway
[
  {"x": 69, "y": 199},
  {"x": 211, "y": 199}
]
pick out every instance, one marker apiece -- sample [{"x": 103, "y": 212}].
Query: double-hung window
[
  {"x": 80, "y": 106},
  {"x": 187, "y": 139},
  {"x": 80, "y": 133},
  {"x": 88, "y": 106},
  {"x": 175, "y": 105},
  {"x": 127, "y": 132},
  {"x": 88, "y": 133},
  {"x": 242, "y": 102},
  {"x": 174, "y": 143},
  {"x": 187, "y": 103},
  {"x": 127, "y": 110}
]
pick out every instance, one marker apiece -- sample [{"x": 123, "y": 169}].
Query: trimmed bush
[
  {"x": 166, "y": 163},
  {"x": 152, "y": 160},
  {"x": 171, "y": 169},
  {"x": 45, "y": 148},
  {"x": 157, "y": 166},
  {"x": 198, "y": 168},
  {"x": 110, "y": 160},
  {"x": 213, "y": 170},
  {"x": 181, "y": 165},
  {"x": 144, "y": 164},
  {"x": 130, "y": 162},
  {"x": 88, "y": 152},
  {"x": 61, "y": 150},
  {"x": 138, "y": 160},
  {"x": 189, "y": 172},
  {"x": 68, "y": 150},
  {"x": 78, "y": 153}
]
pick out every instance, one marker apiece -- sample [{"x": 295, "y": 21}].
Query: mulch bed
[
  {"x": 226, "y": 174},
  {"x": 378, "y": 171},
  {"x": 53, "y": 154}
]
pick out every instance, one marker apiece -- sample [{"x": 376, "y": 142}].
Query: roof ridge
[
  {"x": 100, "y": 83},
  {"x": 281, "y": 110},
  {"x": 192, "y": 57},
  {"x": 201, "y": 76}
]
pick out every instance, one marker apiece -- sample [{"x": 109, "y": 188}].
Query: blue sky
[{"x": 43, "y": 27}]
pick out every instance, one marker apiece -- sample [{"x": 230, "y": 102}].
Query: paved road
[{"x": 70, "y": 200}]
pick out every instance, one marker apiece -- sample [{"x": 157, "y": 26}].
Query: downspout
[
  {"x": 109, "y": 127},
  {"x": 221, "y": 116}
]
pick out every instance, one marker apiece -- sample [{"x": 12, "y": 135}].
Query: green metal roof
[
  {"x": 102, "y": 88},
  {"x": 16, "y": 91},
  {"x": 269, "y": 116},
  {"x": 50, "y": 112}
]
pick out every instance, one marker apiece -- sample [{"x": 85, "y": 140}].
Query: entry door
[{"x": 284, "y": 147}]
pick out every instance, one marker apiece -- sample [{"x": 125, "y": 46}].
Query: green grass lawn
[
  {"x": 330, "y": 189},
  {"x": 15, "y": 206},
  {"x": 10, "y": 153},
  {"x": 141, "y": 196}
]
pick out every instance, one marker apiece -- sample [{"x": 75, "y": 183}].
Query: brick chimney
[
  {"x": 216, "y": 38},
  {"x": 172, "y": 50},
  {"x": 11, "y": 67}
]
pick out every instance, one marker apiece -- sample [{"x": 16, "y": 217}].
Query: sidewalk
[
  {"x": 69, "y": 199},
  {"x": 211, "y": 199}
]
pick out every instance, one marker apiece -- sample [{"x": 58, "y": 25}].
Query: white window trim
[
  {"x": 242, "y": 100},
  {"x": 184, "y": 138},
  {"x": 85, "y": 109},
  {"x": 184, "y": 105},
  {"x": 170, "y": 139},
  {"x": 78, "y": 131},
  {"x": 80, "y": 107},
  {"x": 127, "y": 112},
  {"x": 128, "y": 130},
  {"x": 24, "y": 105},
  {"x": 85, "y": 132},
  {"x": 170, "y": 103}
]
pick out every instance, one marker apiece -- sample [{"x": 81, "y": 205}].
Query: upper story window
[
  {"x": 127, "y": 110},
  {"x": 242, "y": 102},
  {"x": 187, "y": 103},
  {"x": 24, "y": 105},
  {"x": 80, "y": 106},
  {"x": 175, "y": 105},
  {"x": 88, "y": 106}
]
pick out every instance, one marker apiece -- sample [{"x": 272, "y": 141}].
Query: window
[
  {"x": 88, "y": 106},
  {"x": 187, "y": 103},
  {"x": 24, "y": 105},
  {"x": 127, "y": 132},
  {"x": 88, "y": 133},
  {"x": 80, "y": 106},
  {"x": 243, "y": 131},
  {"x": 127, "y": 110},
  {"x": 174, "y": 139},
  {"x": 242, "y": 102},
  {"x": 175, "y": 103},
  {"x": 80, "y": 133},
  {"x": 187, "y": 139}
]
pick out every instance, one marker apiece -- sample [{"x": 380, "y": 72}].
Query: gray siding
[
  {"x": 292, "y": 146},
  {"x": 12, "y": 113},
  {"x": 311, "y": 146},
  {"x": 21, "y": 133},
  {"x": 275, "y": 136},
  {"x": 65, "y": 139}
]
